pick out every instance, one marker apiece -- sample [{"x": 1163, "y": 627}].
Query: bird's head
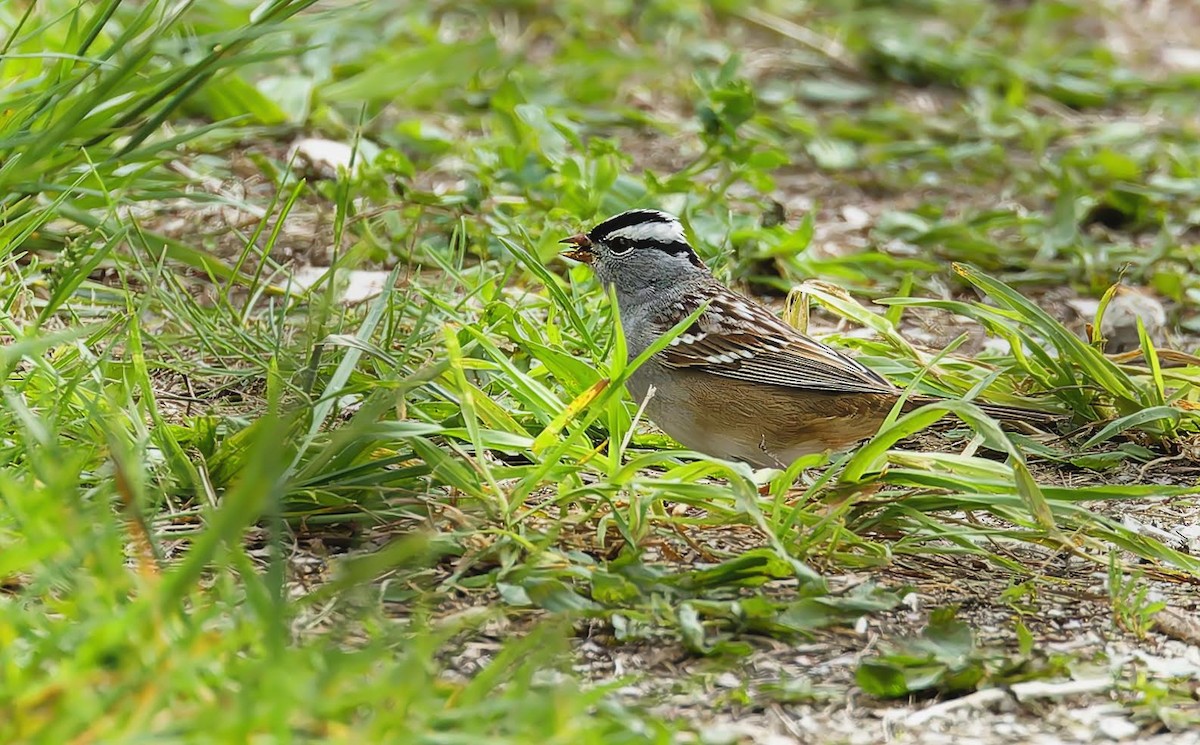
[{"x": 636, "y": 249}]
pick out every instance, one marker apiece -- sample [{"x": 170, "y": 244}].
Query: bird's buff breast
[{"x": 765, "y": 426}]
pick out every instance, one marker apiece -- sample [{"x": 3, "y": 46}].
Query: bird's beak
[{"x": 582, "y": 250}]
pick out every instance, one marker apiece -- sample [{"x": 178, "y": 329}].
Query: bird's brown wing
[{"x": 739, "y": 339}]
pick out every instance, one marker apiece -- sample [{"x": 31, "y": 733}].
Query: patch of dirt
[
  {"x": 1155, "y": 37},
  {"x": 806, "y": 692},
  {"x": 233, "y": 207}
]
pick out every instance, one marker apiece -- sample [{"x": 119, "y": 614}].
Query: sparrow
[{"x": 738, "y": 383}]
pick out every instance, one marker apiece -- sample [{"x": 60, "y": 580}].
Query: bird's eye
[{"x": 619, "y": 245}]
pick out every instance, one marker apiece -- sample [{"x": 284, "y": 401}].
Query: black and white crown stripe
[
  {"x": 632, "y": 218},
  {"x": 644, "y": 229},
  {"x": 647, "y": 232}
]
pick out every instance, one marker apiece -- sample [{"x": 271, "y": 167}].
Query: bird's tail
[{"x": 999, "y": 411}]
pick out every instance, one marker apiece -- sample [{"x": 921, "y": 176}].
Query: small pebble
[
  {"x": 1117, "y": 728},
  {"x": 1119, "y": 325}
]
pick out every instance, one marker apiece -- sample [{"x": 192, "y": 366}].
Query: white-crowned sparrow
[{"x": 739, "y": 383}]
